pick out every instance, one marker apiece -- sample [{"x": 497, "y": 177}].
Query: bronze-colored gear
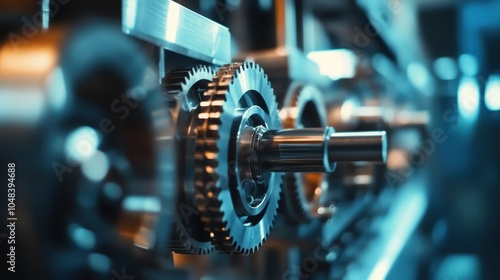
[
  {"x": 183, "y": 89},
  {"x": 236, "y": 90}
]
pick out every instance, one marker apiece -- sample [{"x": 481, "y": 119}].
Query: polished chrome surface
[
  {"x": 175, "y": 28},
  {"x": 305, "y": 194},
  {"x": 314, "y": 149},
  {"x": 317, "y": 149},
  {"x": 296, "y": 150},
  {"x": 358, "y": 146}
]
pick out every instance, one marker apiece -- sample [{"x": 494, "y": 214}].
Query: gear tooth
[
  {"x": 177, "y": 83},
  {"x": 215, "y": 216}
]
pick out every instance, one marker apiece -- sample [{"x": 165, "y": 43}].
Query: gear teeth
[
  {"x": 181, "y": 244},
  {"x": 176, "y": 86},
  {"x": 291, "y": 203},
  {"x": 294, "y": 203},
  {"x": 179, "y": 80},
  {"x": 216, "y": 219}
]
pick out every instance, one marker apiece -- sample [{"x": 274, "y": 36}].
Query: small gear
[
  {"x": 240, "y": 210},
  {"x": 183, "y": 89},
  {"x": 303, "y": 192}
]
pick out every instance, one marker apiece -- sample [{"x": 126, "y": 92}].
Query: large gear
[
  {"x": 240, "y": 210},
  {"x": 303, "y": 193},
  {"x": 183, "y": 91}
]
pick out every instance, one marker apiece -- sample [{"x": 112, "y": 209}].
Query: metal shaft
[{"x": 318, "y": 149}]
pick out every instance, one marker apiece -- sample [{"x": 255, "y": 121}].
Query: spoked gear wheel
[
  {"x": 304, "y": 193},
  {"x": 183, "y": 90},
  {"x": 241, "y": 202}
]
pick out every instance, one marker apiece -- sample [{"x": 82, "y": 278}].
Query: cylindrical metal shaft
[
  {"x": 318, "y": 149},
  {"x": 357, "y": 146}
]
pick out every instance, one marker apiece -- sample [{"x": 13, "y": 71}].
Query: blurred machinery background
[{"x": 266, "y": 139}]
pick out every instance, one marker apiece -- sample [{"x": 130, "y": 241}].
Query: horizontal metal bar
[{"x": 171, "y": 26}]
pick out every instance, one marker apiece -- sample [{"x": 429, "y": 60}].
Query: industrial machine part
[
  {"x": 123, "y": 179},
  {"x": 213, "y": 144},
  {"x": 171, "y": 26},
  {"x": 349, "y": 114},
  {"x": 184, "y": 89},
  {"x": 240, "y": 149},
  {"x": 304, "y": 193},
  {"x": 97, "y": 205},
  {"x": 90, "y": 126},
  {"x": 242, "y": 199},
  {"x": 282, "y": 55}
]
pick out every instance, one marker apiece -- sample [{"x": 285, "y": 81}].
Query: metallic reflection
[{"x": 175, "y": 28}]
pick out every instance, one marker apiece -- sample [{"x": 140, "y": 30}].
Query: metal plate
[{"x": 175, "y": 28}]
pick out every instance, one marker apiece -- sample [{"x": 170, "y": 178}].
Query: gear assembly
[{"x": 209, "y": 139}]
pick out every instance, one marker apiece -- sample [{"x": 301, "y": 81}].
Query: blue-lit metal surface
[
  {"x": 175, "y": 28},
  {"x": 392, "y": 233}
]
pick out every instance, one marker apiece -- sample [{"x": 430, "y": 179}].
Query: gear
[
  {"x": 183, "y": 90},
  {"x": 303, "y": 192},
  {"x": 241, "y": 206}
]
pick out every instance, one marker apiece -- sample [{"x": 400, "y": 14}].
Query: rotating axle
[
  {"x": 312, "y": 149},
  {"x": 230, "y": 131},
  {"x": 317, "y": 149}
]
